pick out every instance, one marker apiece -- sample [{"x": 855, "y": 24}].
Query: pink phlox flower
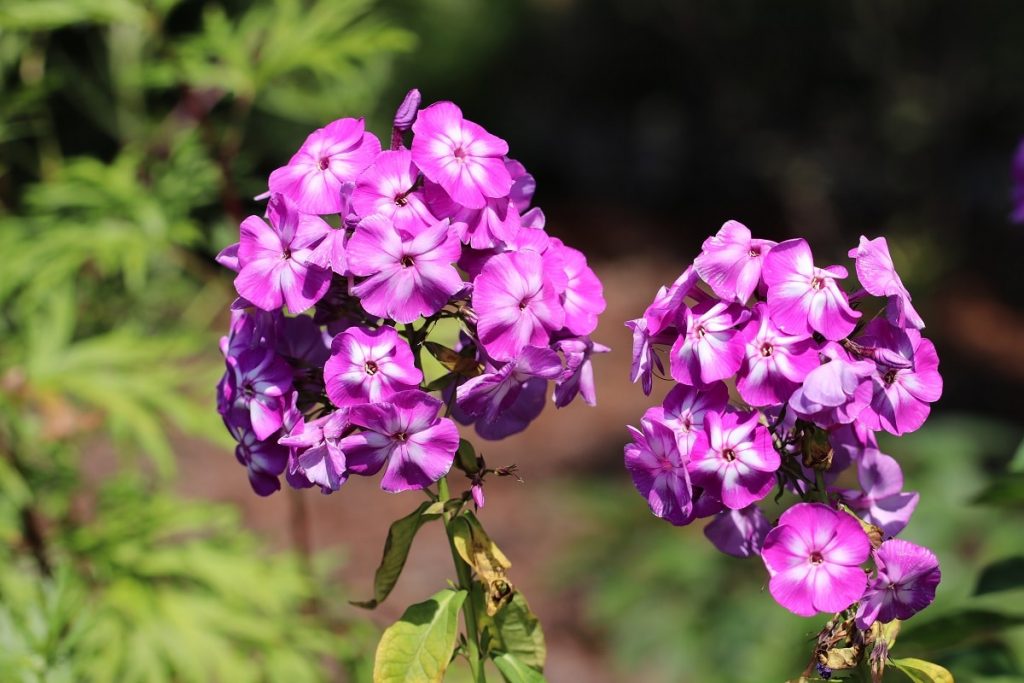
[
  {"x": 645, "y": 358},
  {"x": 490, "y": 227},
  {"x": 836, "y": 392},
  {"x": 709, "y": 346},
  {"x": 460, "y": 156},
  {"x": 273, "y": 258},
  {"x": 405, "y": 433},
  {"x": 391, "y": 188},
  {"x": 301, "y": 342},
  {"x": 261, "y": 380},
  {"x": 657, "y": 327},
  {"x": 515, "y": 305},
  {"x": 739, "y": 533},
  {"x": 583, "y": 296},
  {"x": 659, "y": 471},
  {"x": 850, "y": 441},
  {"x": 803, "y": 299},
  {"x": 367, "y": 366},
  {"x": 813, "y": 557},
  {"x": 730, "y": 262},
  {"x": 881, "y": 500},
  {"x": 738, "y": 466},
  {"x": 263, "y": 459},
  {"x": 775, "y": 363},
  {"x": 316, "y": 450},
  {"x": 523, "y": 185},
  {"x": 330, "y": 156},
  {"x": 664, "y": 312},
  {"x": 526, "y": 408},
  {"x": 578, "y": 376},
  {"x": 901, "y": 395},
  {"x": 905, "y": 584},
  {"x": 329, "y": 254},
  {"x": 878, "y": 276},
  {"x": 486, "y": 395},
  {"x": 228, "y": 257},
  {"x": 407, "y": 276},
  {"x": 684, "y": 408}
]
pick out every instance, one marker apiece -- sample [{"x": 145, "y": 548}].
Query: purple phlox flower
[
  {"x": 901, "y": 396},
  {"x": 684, "y": 408},
  {"x": 251, "y": 328},
  {"x": 390, "y": 188},
  {"x": 486, "y": 395},
  {"x": 489, "y": 227},
  {"x": 533, "y": 219},
  {"x": 460, "y": 156},
  {"x": 878, "y": 276},
  {"x": 803, "y": 299},
  {"x": 578, "y": 377},
  {"x": 330, "y": 156},
  {"x": 406, "y": 433},
  {"x": 302, "y": 342},
  {"x": 258, "y": 382},
  {"x": 657, "y": 326},
  {"x": 329, "y": 254},
  {"x": 525, "y": 409},
  {"x": 405, "y": 115},
  {"x": 739, "y": 533},
  {"x": 273, "y": 258},
  {"x": 263, "y": 459},
  {"x": 367, "y": 366},
  {"x": 730, "y": 262},
  {"x": 814, "y": 557},
  {"x": 659, "y": 471},
  {"x": 228, "y": 257},
  {"x": 645, "y": 358},
  {"x": 709, "y": 346},
  {"x": 738, "y": 466},
  {"x": 406, "y": 276},
  {"x": 850, "y": 441},
  {"x": 665, "y": 311},
  {"x": 515, "y": 305},
  {"x": 775, "y": 363},
  {"x": 316, "y": 450},
  {"x": 836, "y": 392},
  {"x": 523, "y": 186},
  {"x": 881, "y": 501},
  {"x": 583, "y": 297},
  {"x": 907, "y": 577},
  {"x": 1018, "y": 185}
]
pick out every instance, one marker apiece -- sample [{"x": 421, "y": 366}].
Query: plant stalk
[{"x": 469, "y": 606}]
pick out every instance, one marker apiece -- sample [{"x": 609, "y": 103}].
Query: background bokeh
[{"x": 133, "y": 135}]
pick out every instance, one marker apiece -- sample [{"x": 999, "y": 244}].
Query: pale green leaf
[{"x": 418, "y": 647}]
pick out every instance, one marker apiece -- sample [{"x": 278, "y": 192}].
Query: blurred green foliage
[
  {"x": 675, "y": 609},
  {"x": 131, "y": 132}
]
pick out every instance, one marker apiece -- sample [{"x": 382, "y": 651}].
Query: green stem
[{"x": 469, "y": 607}]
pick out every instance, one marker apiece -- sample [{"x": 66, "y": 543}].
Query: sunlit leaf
[{"x": 418, "y": 647}]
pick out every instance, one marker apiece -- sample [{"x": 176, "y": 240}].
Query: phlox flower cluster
[
  {"x": 782, "y": 379},
  {"x": 342, "y": 283}
]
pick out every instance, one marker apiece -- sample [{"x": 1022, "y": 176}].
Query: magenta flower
[
  {"x": 659, "y": 471},
  {"x": 684, "y": 408},
  {"x": 775, "y": 363},
  {"x": 263, "y": 459},
  {"x": 273, "y": 258},
  {"x": 738, "y": 466},
  {"x": 583, "y": 298},
  {"x": 709, "y": 348},
  {"x": 492, "y": 226},
  {"x": 901, "y": 395},
  {"x": 460, "y": 156},
  {"x": 487, "y": 395},
  {"x": 406, "y": 433},
  {"x": 527, "y": 406},
  {"x": 367, "y": 366},
  {"x": 259, "y": 381},
  {"x": 907, "y": 577},
  {"x": 731, "y": 262},
  {"x": 878, "y": 276},
  {"x": 881, "y": 501},
  {"x": 329, "y": 254},
  {"x": 406, "y": 276},
  {"x": 739, "y": 533},
  {"x": 316, "y": 452},
  {"x": 803, "y": 299},
  {"x": 330, "y": 156},
  {"x": 1018, "y": 185},
  {"x": 389, "y": 188},
  {"x": 515, "y": 305},
  {"x": 814, "y": 557},
  {"x": 578, "y": 377},
  {"x": 836, "y": 392}
]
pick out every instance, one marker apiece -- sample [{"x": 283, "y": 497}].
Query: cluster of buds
[
  {"x": 811, "y": 379},
  {"x": 380, "y": 247}
]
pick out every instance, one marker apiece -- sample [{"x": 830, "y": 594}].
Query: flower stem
[{"x": 469, "y": 607}]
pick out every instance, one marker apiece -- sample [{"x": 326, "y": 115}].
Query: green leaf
[
  {"x": 513, "y": 670},
  {"x": 466, "y": 458},
  {"x": 396, "y": 551},
  {"x": 418, "y": 647},
  {"x": 515, "y": 630},
  {"x": 921, "y": 671},
  {"x": 1006, "y": 574},
  {"x": 954, "y": 628},
  {"x": 1006, "y": 491}
]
